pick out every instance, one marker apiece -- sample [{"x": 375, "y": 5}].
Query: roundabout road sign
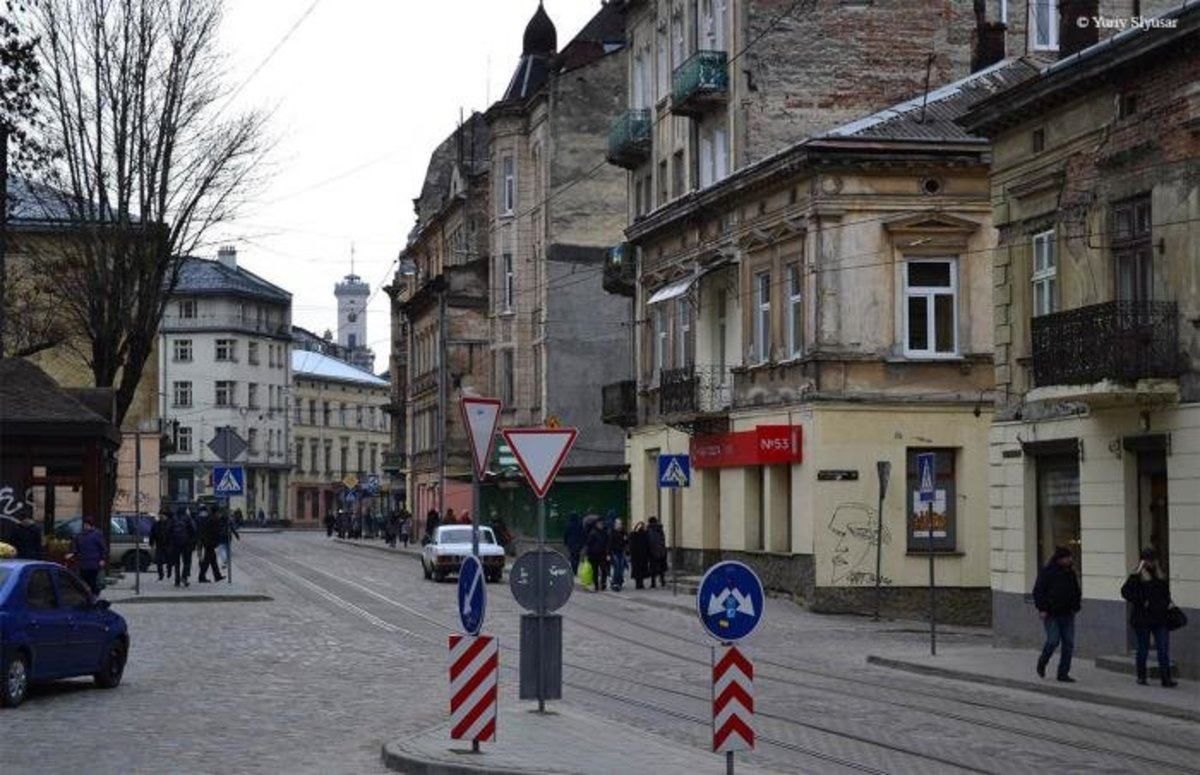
[
  {"x": 472, "y": 595},
  {"x": 730, "y": 601}
]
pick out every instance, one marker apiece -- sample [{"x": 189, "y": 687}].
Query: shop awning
[{"x": 668, "y": 292}]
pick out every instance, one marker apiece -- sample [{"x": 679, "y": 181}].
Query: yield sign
[
  {"x": 540, "y": 453},
  {"x": 480, "y": 415}
]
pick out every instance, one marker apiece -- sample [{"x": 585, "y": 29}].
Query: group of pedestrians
[
  {"x": 1058, "y": 598},
  {"x": 176, "y": 535},
  {"x": 612, "y": 551}
]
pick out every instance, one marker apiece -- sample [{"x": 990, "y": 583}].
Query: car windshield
[{"x": 462, "y": 535}]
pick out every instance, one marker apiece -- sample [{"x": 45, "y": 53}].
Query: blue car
[{"x": 51, "y": 627}]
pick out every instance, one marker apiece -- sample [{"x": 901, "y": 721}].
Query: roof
[
  {"x": 30, "y": 399},
  {"x": 603, "y": 34},
  {"x": 903, "y": 121},
  {"x": 308, "y": 363},
  {"x": 30, "y": 202},
  {"x": 540, "y": 35},
  {"x": 200, "y": 276},
  {"x": 467, "y": 147}
]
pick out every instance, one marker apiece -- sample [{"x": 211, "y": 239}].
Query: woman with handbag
[{"x": 1150, "y": 597}]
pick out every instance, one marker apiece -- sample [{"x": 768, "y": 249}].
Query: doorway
[{"x": 1153, "y": 528}]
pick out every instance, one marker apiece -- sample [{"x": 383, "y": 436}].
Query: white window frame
[
  {"x": 1044, "y": 274},
  {"x": 683, "y": 330},
  {"x": 660, "y": 340},
  {"x": 226, "y": 351},
  {"x": 187, "y": 309},
  {"x": 662, "y": 63},
  {"x": 795, "y": 310},
  {"x": 678, "y": 39},
  {"x": 508, "y": 279},
  {"x": 229, "y": 387},
  {"x": 181, "y": 393},
  {"x": 930, "y": 294},
  {"x": 508, "y": 191},
  {"x": 1051, "y": 34},
  {"x": 762, "y": 316},
  {"x": 1003, "y": 11},
  {"x": 183, "y": 350},
  {"x": 252, "y": 395},
  {"x": 714, "y": 25},
  {"x": 183, "y": 440}
]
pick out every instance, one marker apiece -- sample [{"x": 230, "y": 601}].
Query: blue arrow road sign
[
  {"x": 925, "y": 476},
  {"x": 730, "y": 601},
  {"x": 674, "y": 471},
  {"x": 472, "y": 595},
  {"x": 229, "y": 480}
]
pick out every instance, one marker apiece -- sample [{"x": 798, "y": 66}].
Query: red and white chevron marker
[
  {"x": 733, "y": 700},
  {"x": 474, "y": 687}
]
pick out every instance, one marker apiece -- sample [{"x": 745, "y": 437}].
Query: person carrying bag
[{"x": 1149, "y": 596}]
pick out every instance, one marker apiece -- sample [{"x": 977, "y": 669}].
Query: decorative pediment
[{"x": 931, "y": 224}]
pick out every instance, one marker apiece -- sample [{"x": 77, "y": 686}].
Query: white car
[{"x": 443, "y": 555}]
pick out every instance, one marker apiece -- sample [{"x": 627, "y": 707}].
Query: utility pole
[{"x": 442, "y": 400}]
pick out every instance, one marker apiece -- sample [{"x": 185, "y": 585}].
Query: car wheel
[
  {"x": 439, "y": 576},
  {"x": 113, "y": 667},
  {"x": 16, "y": 681}
]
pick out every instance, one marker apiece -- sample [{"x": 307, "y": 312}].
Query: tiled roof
[
  {"x": 942, "y": 106},
  {"x": 308, "y": 363},
  {"x": 30, "y": 202},
  {"x": 205, "y": 277},
  {"x": 29, "y": 395}
]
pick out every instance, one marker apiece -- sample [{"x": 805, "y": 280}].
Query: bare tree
[{"x": 145, "y": 160}]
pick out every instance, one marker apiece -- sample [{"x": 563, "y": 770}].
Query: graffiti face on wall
[{"x": 856, "y": 528}]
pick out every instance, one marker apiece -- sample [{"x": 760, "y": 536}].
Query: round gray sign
[{"x": 556, "y": 581}]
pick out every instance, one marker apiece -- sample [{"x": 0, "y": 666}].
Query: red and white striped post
[
  {"x": 474, "y": 687},
  {"x": 733, "y": 702}
]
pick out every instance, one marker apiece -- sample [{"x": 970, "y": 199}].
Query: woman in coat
[
  {"x": 598, "y": 548},
  {"x": 639, "y": 555},
  {"x": 1147, "y": 591}
]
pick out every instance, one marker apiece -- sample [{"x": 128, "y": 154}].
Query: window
[
  {"x": 39, "y": 591},
  {"x": 1045, "y": 273},
  {"x": 712, "y": 24},
  {"x": 361, "y": 456},
  {"x": 252, "y": 395},
  {"x": 187, "y": 309},
  {"x": 183, "y": 350},
  {"x": 944, "y": 503},
  {"x": 314, "y": 461},
  {"x": 640, "y": 98},
  {"x": 1132, "y": 249},
  {"x": 795, "y": 312},
  {"x": 252, "y": 441},
  {"x": 679, "y": 175},
  {"x": 270, "y": 442},
  {"x": 226, "y": 349},
  {"x": 1043, "y": 25},
  {"x": 182, "y": 394},
  {"x": 1037, "y": 140},
  {"x": 252, "y": 353},
  {"x": 663, "y": 69},
  {"x": 660, "y": 339},
  {"x": 299, "y": 414},
  {"x": 683, "y": 332},
  {"x": 345, "y": 456},
  {"x": 325, "y": 413},
  {"x": 507, "y": 378},
  {"x": 762, "y": 317},
  {"x": 678, "y": 39},
  {"x": 358, "y": 416},
  {"x": 664, "y": 191},
  {"x": 71, "y": 593},
  {"x": 1058, "y": 506},
  {"x": 183, "y": 440},
  {"x": 508, "y": 190},
  {"x": 509, "y": 280},
  {"x": 714, "y": 152},
  {"x": 226, "y": 393},
  {"x": 930, "y": 309},
  {"x": 374, "y": 458},
  {"x": 1126, "y": 105},
  {"x": 1004, "y": 11},
  {"x": 342, "y": 415}
]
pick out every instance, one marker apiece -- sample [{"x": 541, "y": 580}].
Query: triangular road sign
[
  {"x": 480, "y": 415},
  {"x": 540, "y": 453}
]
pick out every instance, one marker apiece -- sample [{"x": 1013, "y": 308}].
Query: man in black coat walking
[
  {"x": 1057, "y": 596},
  {"x": 181, "y": 539},
  {"x": 210, "y": 537}
]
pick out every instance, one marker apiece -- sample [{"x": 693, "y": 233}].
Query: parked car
[
  {"x": 444, "y": 553},
  {"x": 122, "y": 551},
  {"x": 52, "y": 627}
]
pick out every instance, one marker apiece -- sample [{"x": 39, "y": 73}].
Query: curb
[
  {"x": 213, "y": 598},
  {"x": 384, "y": 548},
  {"x": 1062, "y": 693},
  {"x": 396, "y": 757}
]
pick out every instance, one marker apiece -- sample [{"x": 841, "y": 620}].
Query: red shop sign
[{"x": 766, "y": 445}]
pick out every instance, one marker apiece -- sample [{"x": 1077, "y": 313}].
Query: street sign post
[
  {"x": 227, "y": 445},
  {"x": 474, "y": 687},
  {"x": 553, "y": 587},
  {"x": 925, "y": 475},
  {"x": 480, "y": 416},
  {"x": 884, "y": 469},
  {"x": 729, "y": 601},
  {"x": 228, "y": 480},
  {"x": 540, "y": 453},
  {"x": 674, "y": 471},
  {"x": 472, "y": 595}
]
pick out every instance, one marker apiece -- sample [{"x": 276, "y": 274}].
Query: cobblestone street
[{"x": 350, "y": 654}]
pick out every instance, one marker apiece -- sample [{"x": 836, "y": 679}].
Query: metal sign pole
[
  {"x": 137, "y": 517},
  {"x": 541, "y": 605},
  {"x": 932, "y": 588},
  {"x": 728, "y": 754},
  {"x": 884, "y": 468}
]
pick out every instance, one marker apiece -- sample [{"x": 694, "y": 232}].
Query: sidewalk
[
  {"x": 245, "y": 588},
  {"x": 1014, "y": 669},
  {"x": 563, "y": 740}
]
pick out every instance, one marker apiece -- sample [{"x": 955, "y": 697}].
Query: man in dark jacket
[
  {"x": 573, "y": 538},
  {"x": 618, "y": 540},
  {"x": 160, "y": 541},
  {"x": 181, "y": 539},
  {"x": 1149, "y": 597},
  {"x": 1057, "y": 596},
  {"x": 90, "y": 553},
  {"x": 658, "y": 552},
  {"x": 210, "y": 537},
  {"x": 598, "y": 548}
]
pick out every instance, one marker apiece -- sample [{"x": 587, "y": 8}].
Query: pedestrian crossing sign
[
  {"x": 674, "y": 471},
  {"x": 229, "y": 480}
]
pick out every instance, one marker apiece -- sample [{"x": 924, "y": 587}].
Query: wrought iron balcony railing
[
  {"x": 1122, "y": 341},
  {"x": 700, "y": 83},
  {"x": 629, "y": 138},
  {"x": 619, "y": 403},
  {"x": 693, "y": 390},
  {"x": 620, "y": 272}
]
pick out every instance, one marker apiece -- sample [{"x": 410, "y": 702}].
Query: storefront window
[
  {"x": 1058, "y": 506},
  {"x": 944, "y": 507}
]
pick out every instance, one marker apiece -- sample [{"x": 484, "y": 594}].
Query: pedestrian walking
[
  {"x": 597, "y": 548},
  {"x": 90, "y": 553},
  {"x": 329, "y": 524},
  {"x": 618, "y": 541},
  {"x": 405, "y": 527},
  {"x": 1057, "y": 596},
  {"x": 432, "y": 520},
  {"x": 160, "y": 542},
  {"x": 228, "y": 530},
  {"x": 573, "y": 537},
  {"x": 26, "y": 536},
  {"x": 181, "y": 540},
  {"x": 210, "y": 537},
  {"x": 1149, "y": 596},
  {"x": 639, "y": 555},
  {"x": 262, "y": 517},
  {"x": 658, "y": 552}
]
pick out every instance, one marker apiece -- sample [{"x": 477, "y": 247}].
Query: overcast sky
[{"x": 361, "y": 91}]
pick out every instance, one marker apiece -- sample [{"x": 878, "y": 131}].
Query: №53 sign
[{"x": 766, "y": 445}]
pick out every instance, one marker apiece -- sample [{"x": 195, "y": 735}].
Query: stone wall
[{"x": 955, "y": 605}]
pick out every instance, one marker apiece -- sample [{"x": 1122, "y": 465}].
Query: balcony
[
  {"x": 695, "y": 396},
  {"x": 1106, "y": 353},
  {"x": 700, "y": 84},
  {"x": 629, "y": 139},
  {"x": 619, "y": 403},
  {"x": 620, "y": 271}
]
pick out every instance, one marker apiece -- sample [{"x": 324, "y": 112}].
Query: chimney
[
  {"x": 1072, "y": 36},
  {"x": 227, "y": 255}
]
